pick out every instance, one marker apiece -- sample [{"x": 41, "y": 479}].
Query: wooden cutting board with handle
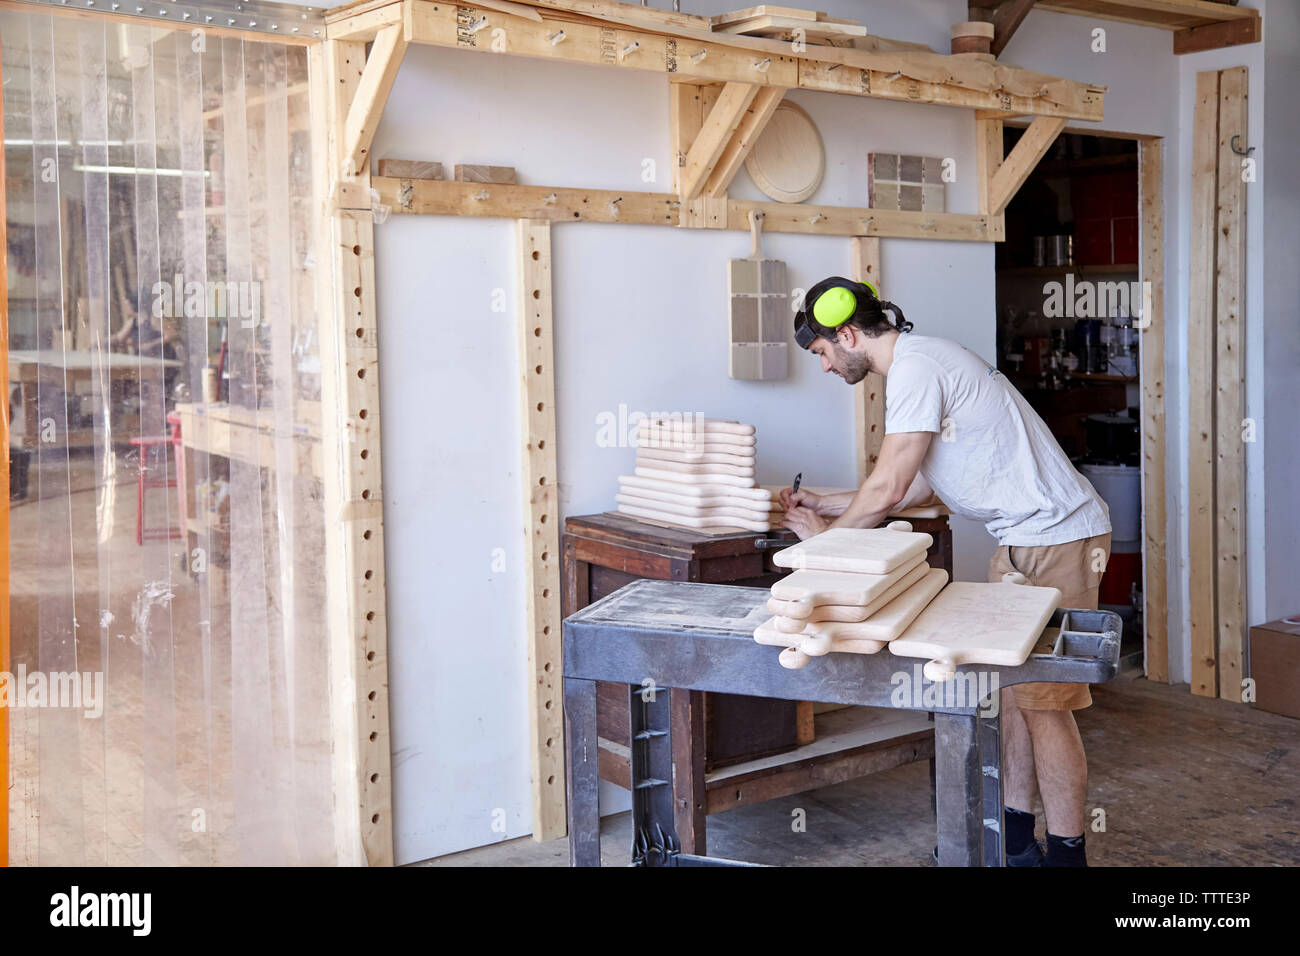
[
  {"x": 864, "y": 550},
  {"x": 695, "y": 467},
  {"x": 971, "y": 623},
  {"x": 884, "y": 625},
  {"x": 695, "y": 511},
  {"x": 694, "y": 489},
  {"x": 846, "y": 613},
  {"x": 808, "y": 589},
  {"x": 701, "y": 478},
  {"x": 700, "y": 523}
]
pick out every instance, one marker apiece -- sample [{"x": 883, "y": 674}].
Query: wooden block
[
  {"x": 1275, "y": 665},
  {"x": 410, "y": 169},
  {"x": 485, "y": 174}
]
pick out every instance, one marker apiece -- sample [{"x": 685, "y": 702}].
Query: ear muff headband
[{"x": 836, "y": 305}]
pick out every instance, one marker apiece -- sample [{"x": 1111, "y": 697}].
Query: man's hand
[
  {"x": 806, "y": 499},
  {"x": 804, "y": 522}
]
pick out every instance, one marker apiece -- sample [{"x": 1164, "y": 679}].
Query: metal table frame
[{"x": 664, "y": 638}]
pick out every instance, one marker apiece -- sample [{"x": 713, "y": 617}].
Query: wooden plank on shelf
[
  {"x": 1020, "y": 162},
  {"x": 410, "y": 169},
  {"x": 1155, "y": 561},
  {"x": 538, "y": 470},
  {"x": 868, "y": 394},
  {"x": 1203, "y": 623},
  {"x": 1230, "y": 377},
  {"x": 1164, "y": 14},
  {"x": 769, "y": 25},
  {"x": 717, "y": 131},
  {"x": 504, "y": 175},
  {"x": 371, "y": 94},
  {"x": 850, "y": 221}
]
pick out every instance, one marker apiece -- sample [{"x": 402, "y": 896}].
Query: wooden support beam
[
  {"x": 1230, "y": 377},
  {"x": 351, "y": 486},
  {"x": 868, "y": 394},
  {"x": 1006, "y": 20},
  {"x": 685, "y": 117},
  {"x": 360, "y": 22},
  {"x": 1024, "y": 156},
  {"x": 687, "y": 54},
  {"x": 988, "y": 157},
  {"x": 1200, "y": 387},
  {"x": 747, "y": 132},
  {"x": 1155, "y": 561},
  {"x": 538, "y": 470},
  {"x": 718, "y": 129},
  {"x": 562, "y": 204},
  {"x": 1214, "y": 36},
  {"x": 371, "y": 94}
]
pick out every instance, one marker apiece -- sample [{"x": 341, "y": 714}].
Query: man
[{"x": 956, "y": 428}]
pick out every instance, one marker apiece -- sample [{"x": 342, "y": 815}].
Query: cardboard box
[{"x": 1275, "y": 666}]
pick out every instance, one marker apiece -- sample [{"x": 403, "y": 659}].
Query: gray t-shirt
[{"x": 993, "y": 459}]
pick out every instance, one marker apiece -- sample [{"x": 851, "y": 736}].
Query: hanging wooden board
[
  {"x": 864, "y": 550},
  {"x": 970, "y": 623},
  {"x": 788, "y": 161}
]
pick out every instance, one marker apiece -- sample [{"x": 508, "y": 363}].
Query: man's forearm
[{"x": 869, "y": 506}]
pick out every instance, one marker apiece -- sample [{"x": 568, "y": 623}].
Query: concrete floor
[{"x": 1183, "y": 781}]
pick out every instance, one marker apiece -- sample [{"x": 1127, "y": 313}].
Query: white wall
[{"x": 641, "y": 322}]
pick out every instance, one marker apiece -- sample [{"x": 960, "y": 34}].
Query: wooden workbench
[{"x": 728, "y": 747}]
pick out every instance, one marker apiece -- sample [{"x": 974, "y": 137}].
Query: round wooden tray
[{"x": 788, "y": 161}]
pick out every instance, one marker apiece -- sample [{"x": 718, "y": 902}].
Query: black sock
[
  {"x": 1018, "y": 830},
  {"x": 1066, "y": 851}
]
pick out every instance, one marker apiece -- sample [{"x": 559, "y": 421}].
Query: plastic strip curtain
[{"x": 168, "y": 688}]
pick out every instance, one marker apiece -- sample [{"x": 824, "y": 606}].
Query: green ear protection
[
  {"x": 830, "y": 303},
  {"x": 834, "y": 306}
]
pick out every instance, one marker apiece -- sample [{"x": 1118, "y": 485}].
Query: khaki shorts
[{"x": 1073, "y": 568}]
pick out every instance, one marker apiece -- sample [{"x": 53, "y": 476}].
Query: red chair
[{"x": 145, "y": 480}]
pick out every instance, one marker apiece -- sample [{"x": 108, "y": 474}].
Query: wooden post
[
  {"x": 868, "y": 394},
  {"x": 541, "y": 528},
  {"x": 1200, "y": 391},
  {"x": 1155, "y": 565},
  {"x": 1230, "y": 376},
  {"x": 354, "y": 532}
]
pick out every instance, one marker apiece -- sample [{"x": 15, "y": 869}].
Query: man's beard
[{"x": 855, "y": 365}]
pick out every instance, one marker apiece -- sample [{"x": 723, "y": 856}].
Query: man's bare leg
[
  {"x": 1018, "y": 778},
  {"x": 1061, "y": 765}
]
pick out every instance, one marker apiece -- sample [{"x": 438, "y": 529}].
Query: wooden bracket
[
  {"x": 367, "y": 104},
  {"x": 1006, "y": 20},
  {"x": 750, "y": 128},
  {"x": 718, "y": 129},
  {"x": 1012, "y": 173}
]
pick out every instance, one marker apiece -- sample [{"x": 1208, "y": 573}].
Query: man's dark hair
[{"x": 869, "y": 316}]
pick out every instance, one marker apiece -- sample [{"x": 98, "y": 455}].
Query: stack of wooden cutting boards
[
  {"x": 696, "y": 473},
  {"x": 852, "y": 590},
  {"x": 858, "y": 590}
]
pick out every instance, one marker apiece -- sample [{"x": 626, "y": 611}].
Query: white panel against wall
[{"x": 457, "y": 681}]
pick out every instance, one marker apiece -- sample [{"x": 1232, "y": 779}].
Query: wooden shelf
[{"x": 1197, "y": 24}]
